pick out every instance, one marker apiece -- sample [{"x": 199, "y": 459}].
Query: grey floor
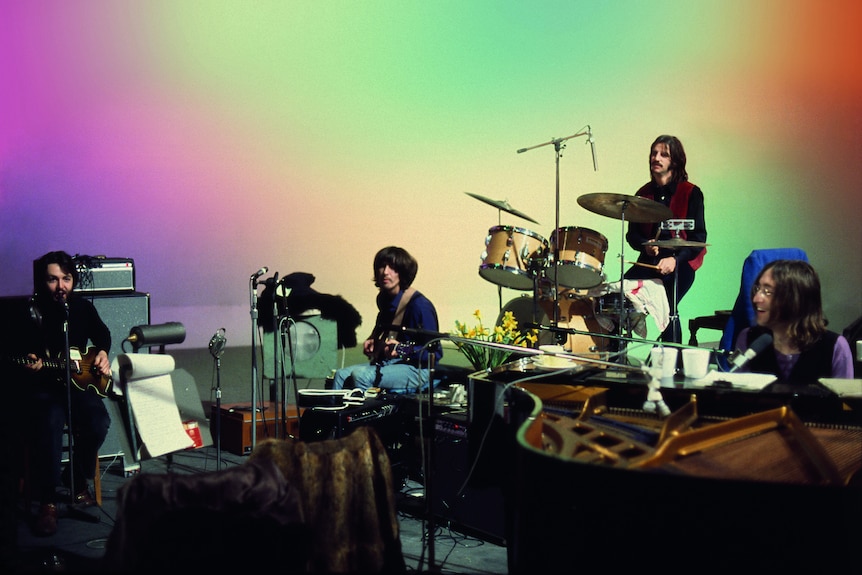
[{"x": 79, "y": 544}]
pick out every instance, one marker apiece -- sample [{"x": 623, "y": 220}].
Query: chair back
[{"x": 742, "y": 315}]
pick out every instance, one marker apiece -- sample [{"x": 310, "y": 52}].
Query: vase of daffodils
[{"x": 485, "y": 357}]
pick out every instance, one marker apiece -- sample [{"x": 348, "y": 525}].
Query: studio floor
[{"x": 80, "y": 542}]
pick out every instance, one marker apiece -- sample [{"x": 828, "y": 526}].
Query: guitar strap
[{"x": 402, "y": 305}]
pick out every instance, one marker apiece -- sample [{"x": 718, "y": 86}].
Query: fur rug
[{"x": 348, "y": 500}]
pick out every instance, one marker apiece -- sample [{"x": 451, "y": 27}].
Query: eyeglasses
[{"x": 757, "y": 288}]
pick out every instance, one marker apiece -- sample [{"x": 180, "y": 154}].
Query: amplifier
[
  {"x": 105, "y": 274},
  {"x": 235, "y": 423},
  {"x": 318, "y": 423},
  {"x": 471, "y": 507}
]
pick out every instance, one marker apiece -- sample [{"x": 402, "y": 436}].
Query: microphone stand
[
  {"x": 557, "y": 143},
  {"x": 429, "y": 454},
  {"x": 72, "y": 510},
  {"x": 289, "y": 379},
  {"x": 217, "y": 349},
  {"x": 254, "y": 326},
  {"x": 277, "y": 369},
  {"x": 218, "y": 412}
]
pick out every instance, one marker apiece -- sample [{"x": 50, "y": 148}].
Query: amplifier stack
[{"x": 101, "y": 274}]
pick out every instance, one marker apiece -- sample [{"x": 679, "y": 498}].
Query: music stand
[{"x": 150, "y": 336}]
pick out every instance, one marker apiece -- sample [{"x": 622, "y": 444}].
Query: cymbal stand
[
  {"x": 676, "y": 332},
  {"x": 623, "y": 355},
  {"x": 499, "y": 286}
]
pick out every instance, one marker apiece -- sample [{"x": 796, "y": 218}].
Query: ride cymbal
[
  {"x": 502, "y": 205},
  {"x": 636, "y": 208}
]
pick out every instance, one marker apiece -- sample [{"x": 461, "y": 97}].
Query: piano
[{"x": 730, "y": 479}]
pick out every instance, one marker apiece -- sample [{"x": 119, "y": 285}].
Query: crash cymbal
[
  {"x": 676, "y": 243},
  {"x": 502, "y": 205},
  {"x": 637, "y": 209}
]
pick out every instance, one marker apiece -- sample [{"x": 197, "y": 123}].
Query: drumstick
[{"x": 643, "y": 265}]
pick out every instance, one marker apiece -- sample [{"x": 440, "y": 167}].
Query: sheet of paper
[
  {"x": 844, "y": 387},
  {"x": 738, "y": 380},
  {"x": 157, "y": 417}
]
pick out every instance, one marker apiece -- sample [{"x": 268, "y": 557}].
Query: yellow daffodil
[{"x": 505, "y": 333}]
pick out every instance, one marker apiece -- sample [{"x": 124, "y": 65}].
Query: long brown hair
[
  {"x": 400, "y": 261},
  {"x": 796, "y": 300},
  {"x": 677, "y": 157}
]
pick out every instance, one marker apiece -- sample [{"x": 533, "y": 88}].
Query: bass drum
[{"x": 576, "y": 312}]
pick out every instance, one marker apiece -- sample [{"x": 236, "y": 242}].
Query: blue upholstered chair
[{"x": 742, "y": 315}]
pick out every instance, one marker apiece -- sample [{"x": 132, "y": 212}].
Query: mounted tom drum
[
  {"x": 581, "y": 257},
  {"x": 511, "y": 255}
]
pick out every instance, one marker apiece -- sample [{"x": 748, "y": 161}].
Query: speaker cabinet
[{"x": 120, "y": 312}]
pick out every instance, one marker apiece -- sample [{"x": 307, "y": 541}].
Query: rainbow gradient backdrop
[{"x": 206, "y": 139}]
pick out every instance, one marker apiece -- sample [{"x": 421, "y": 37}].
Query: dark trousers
[{"x": 90, "y": 423}]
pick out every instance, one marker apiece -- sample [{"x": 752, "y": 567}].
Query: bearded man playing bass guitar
[
  {"x": 398, "y": 359},
  {"x": 55, "y": 311}
]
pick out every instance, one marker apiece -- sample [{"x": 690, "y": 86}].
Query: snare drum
[
  {"x": 609, "y": 305},
  {"x": 510, "y": 257},
  {"x": 581, "y": 257}
]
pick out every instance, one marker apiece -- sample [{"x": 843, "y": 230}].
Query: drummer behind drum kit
[{"x": 568, "y": 266}]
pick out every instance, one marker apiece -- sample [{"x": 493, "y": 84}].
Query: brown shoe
[
  {"x": 46, "y": 523},
  {"x": 84, "y": 499}
]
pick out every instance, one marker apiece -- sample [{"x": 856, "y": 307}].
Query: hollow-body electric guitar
[{"x": 84, "y": 374}]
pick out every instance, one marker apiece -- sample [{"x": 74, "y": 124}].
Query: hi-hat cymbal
[
  {"x": 502, "y": 205},
  {"x": 676, "y": 243},
  {"x": 637, "y": 209}
]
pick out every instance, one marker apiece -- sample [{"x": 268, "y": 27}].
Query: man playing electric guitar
[
  {"x": 61, "y": 322},
  {"x": 395, "y": 364}
]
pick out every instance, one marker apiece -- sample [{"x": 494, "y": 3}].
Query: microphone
[
  {"x": 593, "y": 146},
  {"x": 259, "y": 273},
  {"x": 757, "y": 346},
  {"x": 217, "y": 343}
]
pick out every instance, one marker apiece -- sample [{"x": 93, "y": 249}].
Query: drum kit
[{"x": 562, "y": 271}]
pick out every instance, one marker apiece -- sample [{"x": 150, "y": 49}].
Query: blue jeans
[{"x": 392, "y": 375}]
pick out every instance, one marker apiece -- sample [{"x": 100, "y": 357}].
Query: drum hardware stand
[
  {"x": 675, "y": 226},
  {"x": 558, "y": 146},
  {"x": 623, "y": 351}
]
